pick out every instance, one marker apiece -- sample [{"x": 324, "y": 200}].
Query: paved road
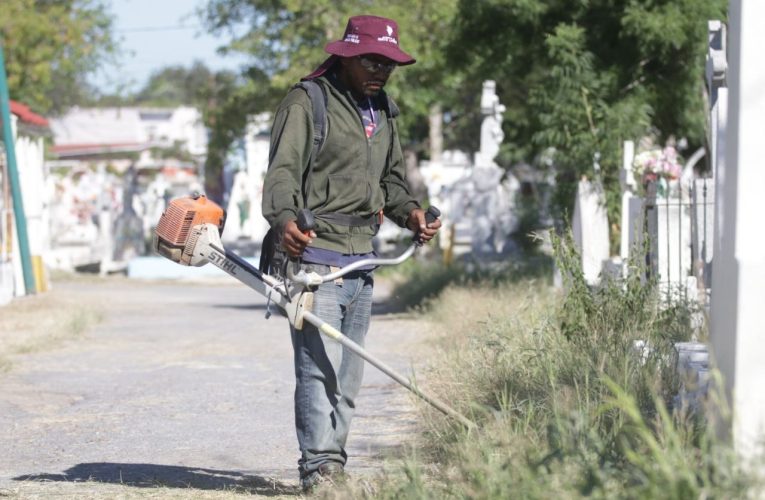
[{"x": 183, "y": 385}]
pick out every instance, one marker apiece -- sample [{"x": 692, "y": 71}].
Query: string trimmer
[{"x": 188, "y": 233}]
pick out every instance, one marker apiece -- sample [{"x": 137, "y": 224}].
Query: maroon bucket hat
[
  {"x": 370, "y": 35},
  {"x": 366, "y": 35}
]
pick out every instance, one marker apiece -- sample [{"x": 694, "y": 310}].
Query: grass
[
  {"x": 567, "y": 407},
  {"x": 42, "y": 322},
  {"x": 103, "y": 491}
]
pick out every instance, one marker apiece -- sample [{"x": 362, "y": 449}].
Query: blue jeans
[{"x": 328, "y": 376}]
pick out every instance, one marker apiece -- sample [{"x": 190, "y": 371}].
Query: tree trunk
[
  {"x": 413, "y": 176},
  {"x": 436, "y": 119}
]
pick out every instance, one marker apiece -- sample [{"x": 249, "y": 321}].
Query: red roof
[
  {"x": 68, "y": 150},
  {"x": 27, "y": 115}
]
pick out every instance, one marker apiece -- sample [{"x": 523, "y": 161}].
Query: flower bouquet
[{"x": 658, "y": 165}]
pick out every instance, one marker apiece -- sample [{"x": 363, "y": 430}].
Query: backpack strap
[
  {"x": 269, "y": 263},
  {"x": 318, "y": 97},
  {"x": 393, "y": 110}
]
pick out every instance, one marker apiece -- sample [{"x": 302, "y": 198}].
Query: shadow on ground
[
  {"x": 153, "y": 476},
  {"x": 254, "y": 307},
  {"x": 378, "y": 308}
]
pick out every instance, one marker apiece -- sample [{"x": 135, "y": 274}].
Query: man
[{"x": 357, "y": 174}]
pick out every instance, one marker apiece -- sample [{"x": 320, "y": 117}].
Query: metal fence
[{"x": 679, "y": 225}]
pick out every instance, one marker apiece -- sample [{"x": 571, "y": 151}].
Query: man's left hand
[{"x": 416, "y": 223}]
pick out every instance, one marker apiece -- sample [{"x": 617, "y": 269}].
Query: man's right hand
[{"x": 294, "y": 241}]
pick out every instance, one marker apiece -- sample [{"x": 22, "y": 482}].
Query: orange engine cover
[{"x": 184, "y": 213}]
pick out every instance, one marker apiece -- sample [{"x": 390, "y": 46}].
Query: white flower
[{"x": 658, "y": 163}]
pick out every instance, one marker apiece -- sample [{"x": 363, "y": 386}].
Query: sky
[{"x": 154, "y": 34}]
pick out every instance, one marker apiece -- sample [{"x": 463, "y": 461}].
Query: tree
[
  {"x": 286, "y": 40},
  {"x": 51, "y": 47},
  {"x": 227, "y": 107},
  {"x": 578, "y": 78},
  {"x": 178, "y": 85}
]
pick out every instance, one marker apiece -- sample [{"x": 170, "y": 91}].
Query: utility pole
[{"x": 13, "y": 177}]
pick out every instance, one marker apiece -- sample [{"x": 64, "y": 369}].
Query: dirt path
[{"x": 179, "y": 386}]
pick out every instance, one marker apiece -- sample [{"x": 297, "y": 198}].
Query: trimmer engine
[{"x": 174, "y": 237}]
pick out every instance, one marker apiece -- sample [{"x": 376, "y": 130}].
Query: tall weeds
[{"x": 572, "y": 391}]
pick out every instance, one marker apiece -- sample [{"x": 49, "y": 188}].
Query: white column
[
  {"x": 716, "y": 71},
  {"x": 627, "y": 181},
  {"x": 738, "y": 286}
]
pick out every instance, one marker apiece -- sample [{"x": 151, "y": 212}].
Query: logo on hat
[{"x": 390, "y": 38}]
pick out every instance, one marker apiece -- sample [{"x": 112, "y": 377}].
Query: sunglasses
[{"x": 376, "y": 66}]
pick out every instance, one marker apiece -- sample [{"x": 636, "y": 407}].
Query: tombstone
[
  {"x": 491, "y": 207},
  {"x": 244, "y": 216},
  {"x": 590, "y": 229},
  {"x": 154, "y": 200},
  {"x": 438, "y": 177},
  {"x": 632, "y": 210},
  {"x": 492, "y": 203},
  {"x": 245, "y": 223},
  {"x": 478, "y": 201},
  {"x": 128, "y": 232}
]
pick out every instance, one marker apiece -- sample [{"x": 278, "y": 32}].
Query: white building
[
  {"x": 115, "y": 135},
  {"x": 116, "y": 167},
  {"x": 29, "y": 130}
]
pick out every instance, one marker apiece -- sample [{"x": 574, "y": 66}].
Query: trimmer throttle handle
[
  {"x": 432, "y": 214},
  {"x": 306, "y": 221}
]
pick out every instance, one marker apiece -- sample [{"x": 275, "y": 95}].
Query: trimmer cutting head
[{"x": 174, "y": 238}]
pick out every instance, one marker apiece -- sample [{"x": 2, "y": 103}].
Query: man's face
[{"x": 367, "y": 74}]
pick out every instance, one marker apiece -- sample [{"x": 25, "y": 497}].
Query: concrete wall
[{"x": 738, "y": 294}]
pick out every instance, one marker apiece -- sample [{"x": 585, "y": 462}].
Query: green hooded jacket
[{"x": 352, "y": 174}]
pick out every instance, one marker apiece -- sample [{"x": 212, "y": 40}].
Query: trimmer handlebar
[
  {"x": 313, "y": 279},
  {"x": 306, "y": 222}
]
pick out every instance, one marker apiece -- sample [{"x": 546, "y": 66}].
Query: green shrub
[{"x": 418, "y": 282}]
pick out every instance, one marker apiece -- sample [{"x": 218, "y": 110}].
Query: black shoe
[{"x": 328, "y": 472}]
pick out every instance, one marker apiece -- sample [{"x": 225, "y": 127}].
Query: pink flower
[{"x": 658, "y": 163}]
